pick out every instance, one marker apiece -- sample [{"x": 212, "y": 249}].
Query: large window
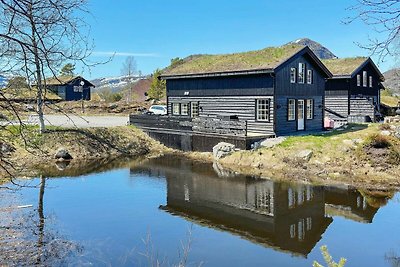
[
  {"x": 176, "y": 109},
  {"x": 302, "y": 69},
  {"x": 365, "y": 79},
  {"x": 263, "y": 109},
  {"x": 293, "y": 73},
  {"x": 184, "y": 109},
  {"x": 370, "y": 81},
  {"x": 194, "y": 109},
  {"x": 291, "y": 110},
  {"x": 309, "y": 76},
  {"x": 358, "y": 80},
  {"x": 310, "y": 109}
]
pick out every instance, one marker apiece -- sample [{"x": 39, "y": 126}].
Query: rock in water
[
  {"x": 62, "y": 154},
  {"x": 223, "y": 149}
]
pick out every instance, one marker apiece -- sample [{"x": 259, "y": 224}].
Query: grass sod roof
[
  {"x": 61, "y": 80},
  {"x": 26, "y": 93},
  {"x": 344, "y": 66},
  {"x": 267, "y": 58}
]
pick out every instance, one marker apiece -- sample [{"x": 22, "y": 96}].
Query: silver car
[{"x": 158, "y": 109}]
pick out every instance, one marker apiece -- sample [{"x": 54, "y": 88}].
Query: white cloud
[{"x": 122, "y": 54}]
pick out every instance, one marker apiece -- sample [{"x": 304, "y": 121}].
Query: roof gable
[{"x": 348, "y": 67}]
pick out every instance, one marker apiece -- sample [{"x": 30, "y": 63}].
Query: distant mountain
[
  {"x": 321, "y": 51},
  {"x": 116, "y": 84},
  {"x": 3, "y": 81},
  {"x": 392, "y": 80}
]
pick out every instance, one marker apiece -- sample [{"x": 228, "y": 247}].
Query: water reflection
[{"x": 285, "y": 217}]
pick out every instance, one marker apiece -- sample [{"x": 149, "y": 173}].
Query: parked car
[{"x": 158, "y": 110}]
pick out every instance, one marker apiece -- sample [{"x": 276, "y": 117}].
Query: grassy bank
[
  {"x": 359, "y": 155},
  {"x": 30, "y": 152}
]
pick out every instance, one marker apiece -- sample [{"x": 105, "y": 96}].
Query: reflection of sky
[{"x": 113, "y": 211}]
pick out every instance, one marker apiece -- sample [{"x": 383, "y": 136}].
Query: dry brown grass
[{"x": 343, "y": 66}]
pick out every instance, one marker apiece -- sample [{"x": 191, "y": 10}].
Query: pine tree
[
  {"x": 157, "y": 88},
  {"x": 68, "y": 70}
]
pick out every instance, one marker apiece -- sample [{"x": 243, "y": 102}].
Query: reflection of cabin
[
  {"x": 287, "y": 218},
  {"x": 348, "y": 203},
  {"x": 70, "y": 88},
  {"x": 353, "y": 93}
]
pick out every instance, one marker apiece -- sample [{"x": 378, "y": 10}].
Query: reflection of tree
[
  {"x": 393, "y": 259},
  {"x": 18, "y": 245}
]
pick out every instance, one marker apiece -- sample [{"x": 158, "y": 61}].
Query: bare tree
[
  {"x": 384, "y": 18},
  {"x": 129, "y": 67},
  {"x": 36, "y": 36}
]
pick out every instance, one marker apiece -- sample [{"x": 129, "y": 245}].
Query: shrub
[
  {"x": 329, "y": 260},
  {"x": 378, "y": 141},
  {"x": 384, "y": 127}
]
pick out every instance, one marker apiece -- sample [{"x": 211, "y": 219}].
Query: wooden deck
[{"x": 195, "y": 134}]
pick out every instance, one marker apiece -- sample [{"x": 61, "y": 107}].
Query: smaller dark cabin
[
  {"x": 353, "y": 93},
  {"x": 70, "y": 88}
]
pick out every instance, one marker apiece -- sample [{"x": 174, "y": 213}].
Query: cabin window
[
  {"x": 302, "y": 69},
  {"x": 184, "y": 109},
  {"x": 310, "y": 109},
  {"x": 358, "y": 80},
  {"x": 370, "y": 81},
  {"x": 291, "y": 109},
  {"x": 194, "y": 109},
  {"x": 293, "y": 75},
  {"x": 364, "y": 79},
  {"x": 309, "y": 76},
  {"x": 176, "y": 108},
  {"x": 78, "y": 89},
  {"x": 263, "y": 109}
]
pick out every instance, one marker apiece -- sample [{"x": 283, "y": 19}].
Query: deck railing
[{"x": 199, "y": 124}]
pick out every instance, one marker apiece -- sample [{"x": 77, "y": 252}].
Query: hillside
[
  {"x": 392, "y": 81},
  {"x": 115, "y": 83}
]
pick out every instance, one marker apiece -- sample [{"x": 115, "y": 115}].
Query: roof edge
[{"x": 216, "y": 74}]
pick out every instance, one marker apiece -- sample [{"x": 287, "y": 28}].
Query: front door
[{"x": 300, "y": 115}]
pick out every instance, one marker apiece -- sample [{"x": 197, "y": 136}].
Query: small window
[
  {"x": 365, "y": 79},
  {"x": 358, "y": 80},
  {"x": 291, "y": 109},
  {"x": 309, "y": 76},
  {"x": 194, "y": 109},
  {"x": 293, "y": 75},
  {"x": 263, "y": 109},
  {"x": 175, "y": 108},
  {"x": 302, "y": 69},
  {"x": 185, "y": 109},
  {"x": 370, "y": 81},
  {"x": 310, "y": 109},
  {"x": 78, "y": 89}
]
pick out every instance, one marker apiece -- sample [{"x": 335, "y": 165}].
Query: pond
[{"x": 172, "y": 210}]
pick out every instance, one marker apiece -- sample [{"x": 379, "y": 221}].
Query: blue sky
[{"x": 155, "y": 31}]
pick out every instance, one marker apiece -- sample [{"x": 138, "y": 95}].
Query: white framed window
[
  {"x": 370, "y": 81},
  {"x": 365, "y": 78},
  {"x": 176, "y": 109},
  {"x": 310, "y": 109},
  {"x": 194, "y": 109},
  {"x": 302, "y": 70},
  {"x": 293, "y": 73},
  {"x": 358, "y": 80},
  {"x": 78, "y": 89},
  {"x": 263, "y": 109},
  {"x": 309, "y": 76},
  {"x": 291, "y": 110},
  {"x": 184, "y": 109}
]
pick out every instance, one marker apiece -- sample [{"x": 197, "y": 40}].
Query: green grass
[
  {"x": 343, "y": 65},
  {"x": 260, "y": 59}
]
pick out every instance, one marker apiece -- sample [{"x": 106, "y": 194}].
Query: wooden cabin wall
[
  {"x": 228, "y": 95},
  {"x": 241, "y": 106},
  {"x": 337, "y": 98},
  {"x": 70, "y": 95},
  {"x": 285, "y": 90}
]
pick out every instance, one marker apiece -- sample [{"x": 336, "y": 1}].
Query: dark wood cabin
[
  {"x": 70, "y": 88},
  {"x": 275, "y": 91},
  {"x": 287, "y": 218},
  {"x": 353, "y": 93}
]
